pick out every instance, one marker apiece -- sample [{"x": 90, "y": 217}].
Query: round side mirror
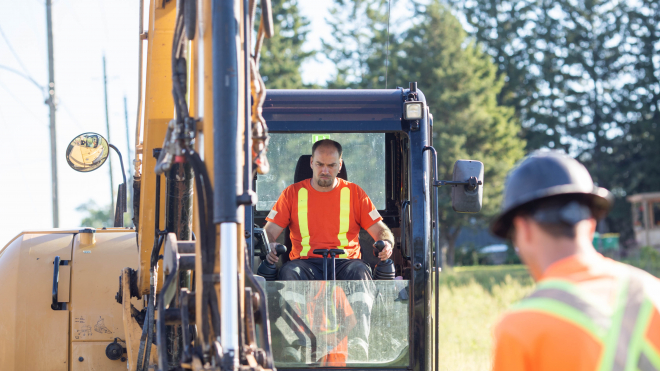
[{"x": 87, "y": 152}]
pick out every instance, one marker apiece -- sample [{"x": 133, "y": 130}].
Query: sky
[{"x": 83, "y": 32}]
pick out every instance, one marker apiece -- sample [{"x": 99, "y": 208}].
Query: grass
[
  {"x": 646, "y": 258},
  {"x": 472, "y": 300}
]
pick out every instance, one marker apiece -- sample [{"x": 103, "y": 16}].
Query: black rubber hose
[
  {"x": 201, "y": 200},
  {"x": 208, "y": 238}
]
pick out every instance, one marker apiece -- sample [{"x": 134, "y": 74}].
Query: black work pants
[{"x": 312, "y": 269}]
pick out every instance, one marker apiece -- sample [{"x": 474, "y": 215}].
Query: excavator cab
[{"x": 383, "y": 323}]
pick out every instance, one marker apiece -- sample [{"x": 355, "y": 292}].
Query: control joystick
[
  {"x": 268, "y": 270},
  {"x": 384, "y": 269}
]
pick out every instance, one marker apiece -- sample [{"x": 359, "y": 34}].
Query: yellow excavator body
[{"x": 33, "y": 335}]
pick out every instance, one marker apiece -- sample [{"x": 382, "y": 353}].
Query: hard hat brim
[{"x": 600, "y": 200}]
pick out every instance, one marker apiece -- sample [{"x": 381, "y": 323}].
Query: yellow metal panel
[
  {"x": 95, "y": 314},
  {"x": 32, "y": 335},
  {"x": 93, "y": 358},
  {"x": 159, "y": 110},
  {"x": 48, "y": 245}
]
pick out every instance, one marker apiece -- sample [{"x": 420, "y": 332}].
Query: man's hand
[
  {"x": 379, "y": 231},
  {"x": 272, "y": 257},
  {"x": 387, "y": 251}
]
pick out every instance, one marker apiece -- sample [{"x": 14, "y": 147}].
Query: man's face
[{"x": 325, "y": 164}]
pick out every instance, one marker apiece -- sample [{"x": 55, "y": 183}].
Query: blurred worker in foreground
[{"x": 587, "y": 312}]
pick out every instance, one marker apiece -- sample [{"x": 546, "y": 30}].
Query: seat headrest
[{"x": 304, "y": 171}]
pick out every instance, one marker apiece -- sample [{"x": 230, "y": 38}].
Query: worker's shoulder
[
  {"x": 295, "y": 187},
  {"x": 525, "y": 323},
  {"x": 352, "y": 186},
  {"x": 623, "y": 270},
  {"x": 650, "y": 283}
]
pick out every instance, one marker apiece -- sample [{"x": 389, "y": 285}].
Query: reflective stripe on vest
[
  {"x": 344, "y": 219},
  {"x": 302, "y": 220},
  {"x": 621, "y": 332}
]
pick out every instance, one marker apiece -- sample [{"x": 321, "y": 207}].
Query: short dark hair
[
  {"x": 327, "y": 142},
  {"x": 559, "y": 228}
]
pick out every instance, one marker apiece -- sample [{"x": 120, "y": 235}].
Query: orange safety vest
[{"x": 624, "y": 336}]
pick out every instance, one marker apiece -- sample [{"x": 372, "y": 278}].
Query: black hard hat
[{"x": 547, "y": 174}]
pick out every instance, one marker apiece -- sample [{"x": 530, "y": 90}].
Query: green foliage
[
  {"x": 461, "y": 87},
  {"x": 647, "y": 258},
  {"x": 473, "y": 298},
  {"x": 358, "y": 45},
  {"x": 100, "y": 216},
  {"x": 96, "y": 216},
  {"x": 458, "y": 79},
  {"x": 488, "y": 277},
  {"x": 582, "y": 76},
  {"x": 282, "y": 55}
]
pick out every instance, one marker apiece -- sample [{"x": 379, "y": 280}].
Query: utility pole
[
  {"x": 51, "y": 105},
  {"x": 128, "y": 152},
  {"x": 107, "y": 126}
]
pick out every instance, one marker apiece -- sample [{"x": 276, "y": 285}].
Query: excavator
[{"x": 187, "y": 287}]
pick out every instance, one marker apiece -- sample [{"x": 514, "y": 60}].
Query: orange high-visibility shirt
[
  {"x": 324, "y": 220},
  {"x": 535, "y": 340}
]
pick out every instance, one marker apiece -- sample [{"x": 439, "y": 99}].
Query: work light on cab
[{"x": 413, "y": 110}]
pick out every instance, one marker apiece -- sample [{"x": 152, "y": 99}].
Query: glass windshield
[
  {"x": 339, "y": 323},
  {"x": 363, "y": 154}
]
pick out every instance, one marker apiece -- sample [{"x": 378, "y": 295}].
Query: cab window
[
  {"x": 339, "y": 323},
  {"x": 363, "y": 154}
]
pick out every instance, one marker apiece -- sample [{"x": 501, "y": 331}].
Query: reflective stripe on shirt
[
  {"x": 344, "y": 219},
  {"x": 620, "y": 332},
  {"x": 303, "y": 196}
]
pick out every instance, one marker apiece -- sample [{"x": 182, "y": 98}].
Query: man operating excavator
[
  {"x": 324, "y": 215},
  {"x": 325, "y": 212}
]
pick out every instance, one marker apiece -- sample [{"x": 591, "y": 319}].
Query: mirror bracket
[{"x": 470, "y": 184}]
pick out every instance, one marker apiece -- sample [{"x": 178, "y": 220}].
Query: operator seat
[{"x": 304, "y": 171}]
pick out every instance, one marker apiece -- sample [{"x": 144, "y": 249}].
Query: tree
[
  {"x": 583, "y": 76},
  {"x": 358, "y": 45},
  {"x": 461, "y": 86},
  {"x": 635, "y": 152},
  {"x": 97, "y": 217},
  {"x": 282, "y": 55}
]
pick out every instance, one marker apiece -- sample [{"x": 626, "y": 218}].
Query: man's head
[
  {"x": 326, "y": 162},
  {"x": 551, "y": 229},
  {"x": 550, "y": 207}
]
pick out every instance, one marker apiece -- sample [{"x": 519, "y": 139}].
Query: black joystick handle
[
  {"x": 384, "y": 270},
  {"x": 379, "y": 246},
  {"x": 280, "y": 250},
  {"x": 268, "y": 270}
]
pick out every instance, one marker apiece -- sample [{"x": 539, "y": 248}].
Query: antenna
[{"x": 387, "y": 57}]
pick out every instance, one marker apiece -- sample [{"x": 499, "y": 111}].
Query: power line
[
  {"x": 20, "y": 102},
  {"x": 43, "y": 88},
  {"x": 20, "y": 62}
]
